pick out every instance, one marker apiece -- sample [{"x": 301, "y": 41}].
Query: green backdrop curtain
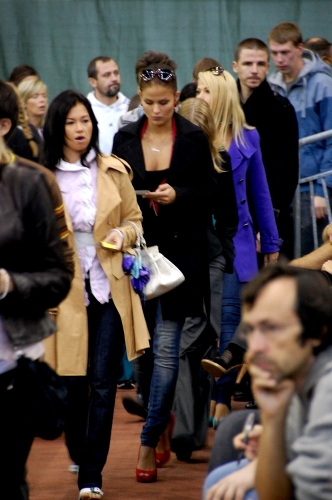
[{"x": 60, "y": 37}]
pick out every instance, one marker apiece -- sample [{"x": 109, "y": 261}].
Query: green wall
[{"x": 60, "y": 37}]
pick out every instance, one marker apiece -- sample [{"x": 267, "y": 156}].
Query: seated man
[{"x": 286, "y": 321}]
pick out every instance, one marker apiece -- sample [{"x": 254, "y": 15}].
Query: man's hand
[
  {"x": 327, "y": 234},
  {"x": 235, "y": 485},
  {"x": 272, "y": 396},
  {"x": 327, "y": 266},
  {"x": 251, "y": 448},
  {"x": 320, "y": 207}
]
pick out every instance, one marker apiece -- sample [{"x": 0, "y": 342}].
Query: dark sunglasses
[
  {"x": 217, "y": 70},
  {"x": 165, "y": 75}
]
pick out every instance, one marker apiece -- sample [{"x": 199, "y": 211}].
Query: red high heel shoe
[
  {"x": 145, "y": 476},
  {"x": 163, "y": 458}
]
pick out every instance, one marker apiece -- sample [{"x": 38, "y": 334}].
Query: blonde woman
[
  {"x": 27, "y": 139},
  {"x": 191, "y": 403},
  {"x": 218, "y": 88},
  {"x": 34, "y": 98}
]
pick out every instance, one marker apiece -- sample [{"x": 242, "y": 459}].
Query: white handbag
[{"x": 164, "y": 275}]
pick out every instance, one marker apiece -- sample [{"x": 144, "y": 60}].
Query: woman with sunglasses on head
[
  {"x": 218, "y": 88},
  {"x": 98, "y": 197},
  {"x": 171, "y": 160}
]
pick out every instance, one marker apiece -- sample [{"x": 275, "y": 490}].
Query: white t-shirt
[{"x": 108, "y": 118}]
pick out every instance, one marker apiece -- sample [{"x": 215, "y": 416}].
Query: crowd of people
[{"x": 208, "y": 175}]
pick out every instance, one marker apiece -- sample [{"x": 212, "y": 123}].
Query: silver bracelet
[{"x": 6, "y": 278}]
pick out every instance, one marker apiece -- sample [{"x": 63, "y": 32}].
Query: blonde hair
[
  {"x": 225, "y": 105},
  {"x": 5, "y": 155},
  {"x": 23, "y": 122},
  {"x": 198, "y": 112},
  {"x": 27, "y": 89}
]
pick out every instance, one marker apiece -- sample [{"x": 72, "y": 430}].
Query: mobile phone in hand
[{"x": 141, "y": 192}]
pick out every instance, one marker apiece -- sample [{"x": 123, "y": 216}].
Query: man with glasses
[{"x": 286, "y": 320}]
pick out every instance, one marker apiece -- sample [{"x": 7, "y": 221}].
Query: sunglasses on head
[
  {"x": 165, "y": 75},
  {"x": 217, "y": 70}
]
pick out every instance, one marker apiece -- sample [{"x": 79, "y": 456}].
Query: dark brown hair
[
  {"x": 203, "y": 65},
  {"x": 20, "y": 72},
  {"x": 150, "y": 57},
  {"x": 313, "y": 299},
  {"x": 92, "y": 67},
  {"x": 252, "y": 44}
]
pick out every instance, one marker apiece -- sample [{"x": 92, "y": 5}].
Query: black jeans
[
  {"x": 105, "y": 353},
  {"x": 16, "y": 437},
  {"x": 75, "y": 424}
]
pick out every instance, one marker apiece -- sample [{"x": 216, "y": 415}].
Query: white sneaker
[{"x": 89, "y": 493}]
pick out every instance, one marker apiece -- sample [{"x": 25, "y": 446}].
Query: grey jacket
[{"x": 309, "y": 433}]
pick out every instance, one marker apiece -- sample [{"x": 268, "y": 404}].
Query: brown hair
[
  {"x": 286, "y": 32},
  {"x": 252, "y": 44},
  {"x": 92, "y": 67},
  {"x": 21, "y": 72},
  {"x": 321, "y": 46},
  {"x": 203, "y": 65},
  {"x": 150, "y": 57},
  {"x": 198, "y": 112},
  {"x": 313, "y": 299}
]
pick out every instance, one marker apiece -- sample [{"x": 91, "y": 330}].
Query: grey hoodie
[{"x": 311, "y": 96}]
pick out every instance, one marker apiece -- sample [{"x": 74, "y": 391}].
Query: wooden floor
[{"x": 49, "y": 478}]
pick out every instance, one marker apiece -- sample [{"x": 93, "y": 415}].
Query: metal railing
[{"x": 297, "y": 200}]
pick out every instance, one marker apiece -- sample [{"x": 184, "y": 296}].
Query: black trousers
[{"x": 16, "y": 437}]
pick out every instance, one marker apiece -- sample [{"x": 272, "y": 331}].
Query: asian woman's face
[
  {"x": 203, "y": 92},
  {"x": 158, "y": 102},
  {"x": 78, "y": 129}
]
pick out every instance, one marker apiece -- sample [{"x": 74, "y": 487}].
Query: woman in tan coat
[{"x": 99, "y": 198}]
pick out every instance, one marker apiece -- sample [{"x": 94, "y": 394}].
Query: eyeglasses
[
  {"x": 266, "y": 328},
  {"x": 165, "y": 75},
  {"x": 217, "y": 70}
]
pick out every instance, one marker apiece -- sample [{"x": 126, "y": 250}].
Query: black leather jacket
[{"x": 32, "y": 252}]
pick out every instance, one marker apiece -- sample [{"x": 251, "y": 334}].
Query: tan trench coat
[{"x": 66, "y": 351}]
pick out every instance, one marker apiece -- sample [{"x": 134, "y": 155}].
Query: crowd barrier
[{"x": 310, "y": 180}]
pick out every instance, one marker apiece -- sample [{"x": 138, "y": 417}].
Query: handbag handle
[{"x": 140, "y": 241}]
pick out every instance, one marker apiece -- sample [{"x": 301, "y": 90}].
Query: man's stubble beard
[{"x": 111, "y": 92}]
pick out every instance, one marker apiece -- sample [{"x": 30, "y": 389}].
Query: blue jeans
[
  {"x": 105, "y": 353},
  {"x": 223, "y": 471},
  {"x": 166, "y": 349},
  {"x": 230, "y": 319},
  {"x": 231, "y": 309}
]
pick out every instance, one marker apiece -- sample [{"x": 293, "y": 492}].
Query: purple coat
[{"x": 250, "y": 184}]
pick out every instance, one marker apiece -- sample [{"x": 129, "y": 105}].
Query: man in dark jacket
[{"x": 275, "y": 119}]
